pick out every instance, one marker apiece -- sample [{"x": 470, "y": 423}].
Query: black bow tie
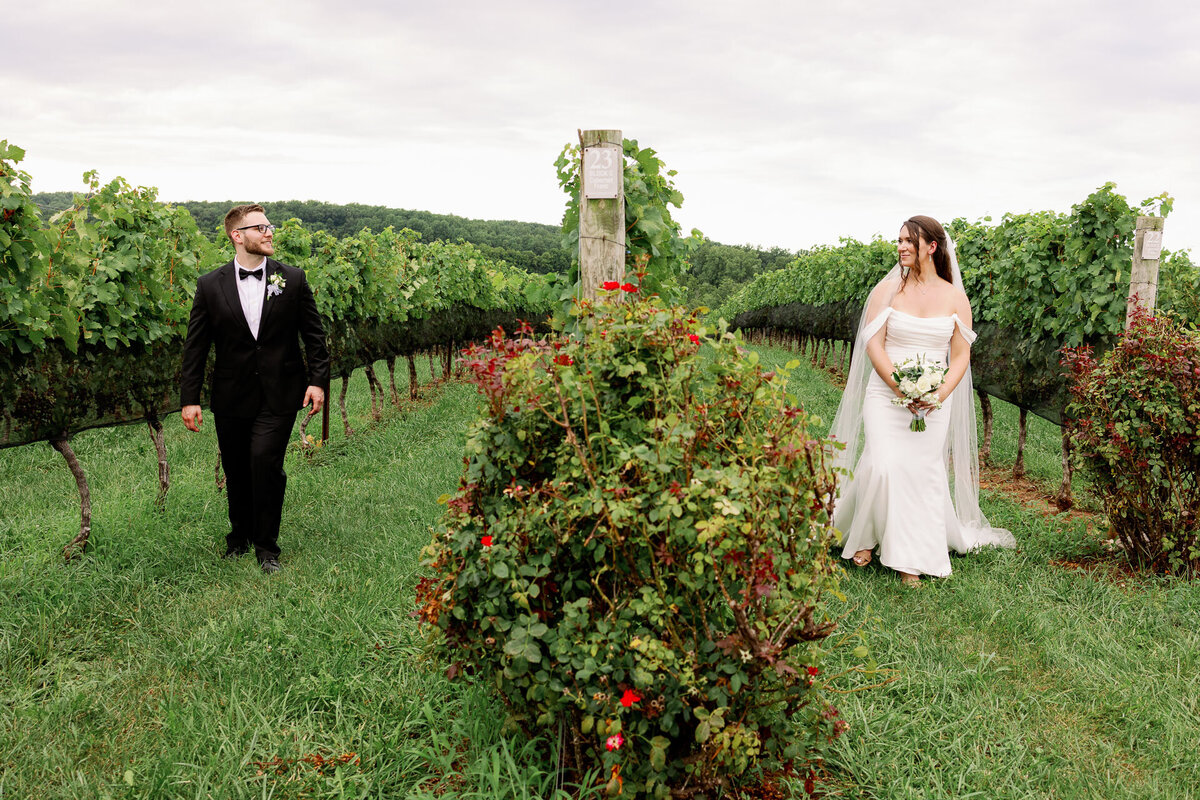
[{"x": 250, "y": 273}]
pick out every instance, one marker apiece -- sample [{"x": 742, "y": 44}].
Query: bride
[{"x": 913, "y": 494}]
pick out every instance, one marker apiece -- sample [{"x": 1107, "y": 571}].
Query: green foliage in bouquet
[
  {"x": 639, "y": 551},
  {"x": 1137, "y": 430}
]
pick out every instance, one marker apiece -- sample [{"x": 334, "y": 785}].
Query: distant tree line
[
  {"x": 529, "y": 245},
  {"x": 717, "y": 270}
]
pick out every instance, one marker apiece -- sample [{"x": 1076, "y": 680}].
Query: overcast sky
[{"x": 790, "y": 123}]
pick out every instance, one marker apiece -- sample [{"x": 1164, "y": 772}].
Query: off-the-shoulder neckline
[{"x": 914, "y": 316}]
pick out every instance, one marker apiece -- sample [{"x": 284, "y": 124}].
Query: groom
[{"x": 255, "y": 311}]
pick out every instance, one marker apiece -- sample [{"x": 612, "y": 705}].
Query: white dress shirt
[{"x": 251, "y": 292}]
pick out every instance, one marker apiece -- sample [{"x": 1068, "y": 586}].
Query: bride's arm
[
  {"x": 879, "y": 358},
  {"x": 960, "y": 350}
]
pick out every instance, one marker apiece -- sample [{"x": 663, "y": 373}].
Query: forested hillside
[
  {"x": 717, "y": 270},
  {"x": 529, "y": 245}
]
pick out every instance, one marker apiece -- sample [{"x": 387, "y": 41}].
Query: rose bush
[
  {"x": 1136, "y": 429},
  {"x": 639, "y": 550}
]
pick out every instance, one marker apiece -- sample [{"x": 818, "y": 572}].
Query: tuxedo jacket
[{"x": 252, "y": 374}]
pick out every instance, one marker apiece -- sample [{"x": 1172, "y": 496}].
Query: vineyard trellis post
[
  {"x": 601, "y": 210},
  {"x": 325, "y": 409},
  {"x": 1143, "y": 281}
]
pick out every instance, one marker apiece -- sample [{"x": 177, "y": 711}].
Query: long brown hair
[{"x": 927, "y": 228}]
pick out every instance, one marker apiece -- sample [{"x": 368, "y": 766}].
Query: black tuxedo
[{"x": 257, "y": 388}]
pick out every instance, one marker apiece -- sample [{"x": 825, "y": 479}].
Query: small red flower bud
[
  {"x": 486, "y": 541},
  {"x": 813, "y": 670}
]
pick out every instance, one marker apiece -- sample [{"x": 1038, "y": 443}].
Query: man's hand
[
  {"x": 192, "y": 418},
  {"x": 315, "y": 395}
]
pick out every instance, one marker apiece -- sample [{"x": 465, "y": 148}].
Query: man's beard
[{"x": 262, "y": 247}]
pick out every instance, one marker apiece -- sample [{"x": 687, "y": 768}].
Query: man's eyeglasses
[{"x": 264, "y": 229}]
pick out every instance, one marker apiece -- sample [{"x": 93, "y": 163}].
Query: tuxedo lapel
[
  {"x": 269, "y": 268},
  {"x": 227, "y": 280}
]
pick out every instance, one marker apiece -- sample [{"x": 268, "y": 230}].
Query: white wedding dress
[{"x": 899, "y": 500}]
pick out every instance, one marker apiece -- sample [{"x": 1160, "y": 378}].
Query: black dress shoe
[
  {"x": 270, "y": 565},
  {"x": 234, "y": 552}
]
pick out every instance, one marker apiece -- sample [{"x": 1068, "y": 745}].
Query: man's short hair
[{"x": 234, "y": 218}]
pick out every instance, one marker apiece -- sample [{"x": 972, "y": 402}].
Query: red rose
[
  {"x": 629, "y": 698},
  {"x": 629, "y": 287},
  {"x": 610, "y": 286},
  {"x": 486, "y": 541},
  {"x": 563, "y": 360},
  {"x": 813, "y": 670},
  {"x": 695, "y": 338}
]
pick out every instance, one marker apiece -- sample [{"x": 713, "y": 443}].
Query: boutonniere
[{"x": 275, "y": 284}]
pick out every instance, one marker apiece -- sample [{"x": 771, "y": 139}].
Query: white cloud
[{"x": 790, "y": 123}]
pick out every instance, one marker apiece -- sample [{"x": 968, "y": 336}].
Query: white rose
[
  {"x": 908, "y": 386},
  {"x": 926, "y": 383}
]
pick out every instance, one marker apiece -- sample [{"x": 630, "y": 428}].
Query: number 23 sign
[{"x": 602, "y": 173}]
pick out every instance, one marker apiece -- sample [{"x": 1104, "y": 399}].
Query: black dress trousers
[{"x": 252, "y": 452}]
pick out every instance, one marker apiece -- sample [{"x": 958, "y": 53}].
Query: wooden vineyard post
[
  {"x": 1143, "y": 282},
  {"x": 325, "y": 412},
  {"x": 985, "y": 406},
  {"x": 1064, "y": 499},
  {"x": 601, "y": 211}
]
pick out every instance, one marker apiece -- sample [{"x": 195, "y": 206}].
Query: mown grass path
[{"x": 151, "y": 668}]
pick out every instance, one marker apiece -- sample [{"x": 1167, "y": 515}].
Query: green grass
[
  {"x": 1013, "y": 677},
  {"x": 152, "y": 668}
]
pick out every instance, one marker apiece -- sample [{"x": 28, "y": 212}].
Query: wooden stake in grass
[
  {"x": 164, "y": 469},
  {"x": 391, "y": 362},
  {"x": 1019, "y": 465},
  {"x": 1064, "y": 500},
  {"x": 79, "y": 543},
  {"x": 985, "y": 405},
  {"x": 376, "y": 389},
  {"x": 412, "y": 378},
  {"x": 342, "y": 405}
]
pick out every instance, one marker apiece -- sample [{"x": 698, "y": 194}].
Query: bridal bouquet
[{"x": 919, "y": 380}]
